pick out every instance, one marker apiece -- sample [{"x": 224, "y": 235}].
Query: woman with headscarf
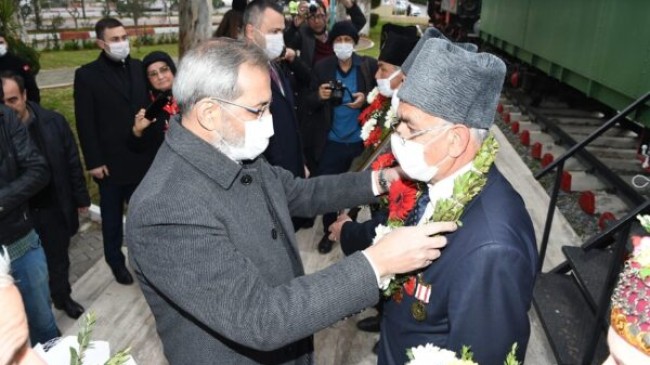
[{"x": 150, "y": 132}]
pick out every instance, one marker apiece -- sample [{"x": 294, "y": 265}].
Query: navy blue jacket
[
  {"x": 482, "y": 285},
  {"x": 285, "y": 148}
]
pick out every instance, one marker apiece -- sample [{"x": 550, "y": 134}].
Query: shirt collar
[{"x": 444, "y": 188}]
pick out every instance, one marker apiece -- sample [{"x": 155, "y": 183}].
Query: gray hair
[
  {"x": 212, "y": 70},
  {"x": 5, "y": 266}
]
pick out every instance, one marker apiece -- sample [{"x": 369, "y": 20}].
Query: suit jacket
[
  {"x": 68, "y": 185},
  {"x": 285, "y": 147},
  {"x": 105, "y": 111},
  {"x": 481, "y": 286},
  {"x": 213, "y": 248}
]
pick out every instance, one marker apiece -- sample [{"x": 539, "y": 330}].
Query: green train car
[{"x": 600, "y": 47}]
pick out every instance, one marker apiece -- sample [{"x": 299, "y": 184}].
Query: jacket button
[
  {"x": 246, "y": 179},
  {"x": 274, "y": 234}
]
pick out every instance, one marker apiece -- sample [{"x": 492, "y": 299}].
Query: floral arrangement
[
  {"x": 403, "y": 197},
  {"x": 83, "y": 339},
  {"x": 630, "y": 316},
  {"x": 376, "y": 119},
  {"x": 432, "y": 355}
]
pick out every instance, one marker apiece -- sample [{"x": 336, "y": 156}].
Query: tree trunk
[{"x": 195, "y": 23}]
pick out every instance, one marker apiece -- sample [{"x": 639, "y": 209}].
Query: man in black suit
[
  {"x": 53, "y": 209},
  {"x": 264, "y": 25},
  {"x": 108, "y": 92}
]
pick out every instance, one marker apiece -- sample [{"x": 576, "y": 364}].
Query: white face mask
[
  {"x": 383, "y": 85},
  {"x": 118, "y": 51},
  {"x": 256, "y": 139},
  {"x": 3, "y": 49},
  {"x": 274, "y": 45},
  {"x": 410, "y": 156},
  {"x": 343, "y": 50}
]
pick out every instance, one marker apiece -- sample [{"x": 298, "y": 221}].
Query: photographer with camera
[{"x": 337, "y": 96}]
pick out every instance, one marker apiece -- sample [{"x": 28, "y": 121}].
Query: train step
[
  {"x": 519, "y": 126},
  {"x": 624, "y": 154},
  {"x": 528, "y": 138},
  {"x": 566, "y": 112},
  {"x": 621, "y": 165},
  {"x": 566, "y": 318},
  {"x": 592, "y": 122},
  {"x": 590, "y": 268},
  {"x": 580, "y": 130}
]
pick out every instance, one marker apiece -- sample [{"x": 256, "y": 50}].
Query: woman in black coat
[{"x": 149, "y": 133}]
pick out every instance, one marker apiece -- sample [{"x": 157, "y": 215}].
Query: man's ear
[
  {"x": 100, "y": 43},
  {"x": 248, "y": 32},
  {"x": 460, "y": 136},
  {"x": 208, "y": 114}
]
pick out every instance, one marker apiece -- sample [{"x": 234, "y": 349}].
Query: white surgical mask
[
  {"x": 343, "y": 50},
  {"x": 410, "y": 156},
  {"x": 256, "y": 139},
  {"x": 274, "y": 45},
  {"x": 3, "y": 49},
  {"x": 383, "y": 85},
  {"x": 118, "y": 51}
]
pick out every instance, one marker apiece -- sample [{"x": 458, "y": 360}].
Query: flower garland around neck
[
  {"x": 403, "y": 196},
  {"x": 376, "y": 119}
]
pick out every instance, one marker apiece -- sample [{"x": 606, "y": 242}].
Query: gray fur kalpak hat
[
  {"x": 451, "y": 83},
  {"x": 431, "y": 33}
]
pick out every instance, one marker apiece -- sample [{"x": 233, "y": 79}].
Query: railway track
[{"x": 599, "y": 185}]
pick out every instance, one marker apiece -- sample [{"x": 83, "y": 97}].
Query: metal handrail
[{"x": 559, "y": 164}]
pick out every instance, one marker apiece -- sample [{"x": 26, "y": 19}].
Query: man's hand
[
  {"x": 347, "y": 3},
  {"x": 324, "y": 92},
  {"x": 359, "y": 99},
  {"x": 336, "y": 227},
  {"x": 289, "y": 55},
  {"x": 99, "y": 172},
  {"x": 391, "y": 256}
]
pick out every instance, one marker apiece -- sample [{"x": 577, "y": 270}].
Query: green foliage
[
  {"x": 217, "y": 4},
  {"x": 511, "y": 358},
  {"x": 83, "y": 339},
  {"x": 8, "y": 24},
  {"x": 466, "y": 353},
  {"x": 134, "y": 9},
  {"x": 25, "y": 52}
]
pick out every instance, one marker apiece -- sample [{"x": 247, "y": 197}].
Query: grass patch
[
  {"x": 63, "y": 59},
  {"x": 61, "y": 101}
]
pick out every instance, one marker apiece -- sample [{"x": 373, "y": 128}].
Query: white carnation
[
  {"x": 380, "y": 232},
  {"x": 367, "y": 128},
  {"x": 431, "y": 355},
  {"x": 372, "y": 95},
  {"x": 391, "y": 116}
]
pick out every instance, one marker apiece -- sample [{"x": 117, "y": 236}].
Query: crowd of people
[{"x": 260, "y": 125}]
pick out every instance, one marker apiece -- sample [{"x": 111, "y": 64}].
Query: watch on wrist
[{"x": 383, "y": 183}]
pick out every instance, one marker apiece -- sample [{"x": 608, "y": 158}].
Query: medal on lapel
[{"x": 422, "y": 294}]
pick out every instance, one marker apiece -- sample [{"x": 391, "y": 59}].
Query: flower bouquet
[{"x": 432, "y": 355}]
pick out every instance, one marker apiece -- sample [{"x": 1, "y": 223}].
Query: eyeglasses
[
  {"x": 160, "y": 71},
  {"x": 395, "y": 125},
  {"x": 257, "y": 111},
  {"x": 317, "y": 16}
]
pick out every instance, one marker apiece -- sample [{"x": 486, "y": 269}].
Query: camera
[{"x": 337, "y": 92}]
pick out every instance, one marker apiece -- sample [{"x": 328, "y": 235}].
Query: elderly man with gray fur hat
[{"x": 479, "y": 292}]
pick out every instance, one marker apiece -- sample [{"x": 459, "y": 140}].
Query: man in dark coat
[
  {"x": 23, "y": 172},
  {"x": 479, "y": 292},
  {"x": 108, "y": 93},
  {"x": 263, "y": 25},
  {"x": 54, "y": 208},
  {"x": 11, "y": 62},
  {"x": 334, "y": 132}
]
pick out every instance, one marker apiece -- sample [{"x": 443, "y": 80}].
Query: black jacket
[
  {"x": 23, "y": 172},
  {"x": 107, "y": 96},
  {"x": 359, "y": 236},
  {"x": 67, "y": 188},
  {"x": 318, "y": 121},
  {"x": 15, "y": 64}
]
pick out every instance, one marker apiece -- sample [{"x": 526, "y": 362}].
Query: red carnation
[
  {"x": 402, "y": 198},
  {"x": 374, "y": 137},
  {"x": 383, "y": 161},
  {"x": 409, "y": 285}
]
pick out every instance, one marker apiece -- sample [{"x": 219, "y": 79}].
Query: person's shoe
[
  {"x": 122, "y": 275},
  {"x": 70, "y": 307},
  {"x": 325, "y": 245},
  {"x": 375, "y": 348},
  {"x": 370, "y": 324}
]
